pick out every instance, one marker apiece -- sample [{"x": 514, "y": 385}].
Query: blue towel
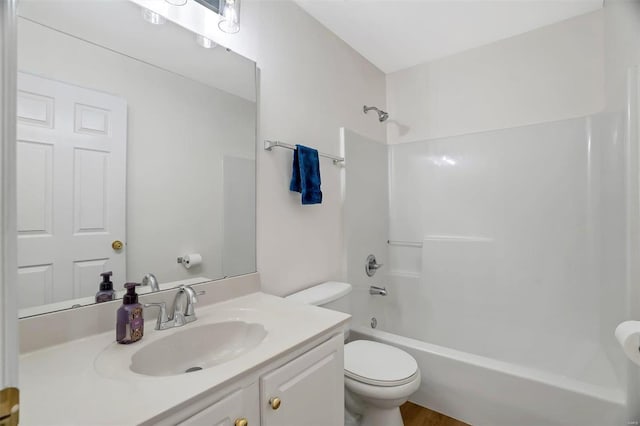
[{"x": 305, "y": 177}]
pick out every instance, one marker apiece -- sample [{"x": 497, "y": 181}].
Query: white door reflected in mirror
[{"x": 71, "y": 189}]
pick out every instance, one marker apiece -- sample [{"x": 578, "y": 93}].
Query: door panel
[
  {"x": 71, "y": 189},
  {"x": 36, "y": 283},
  {"x": 35, "y": 183},
  {"x": 310, "y": 389}
]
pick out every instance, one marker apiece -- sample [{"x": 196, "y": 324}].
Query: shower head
[{"x": 382, "y": 115}]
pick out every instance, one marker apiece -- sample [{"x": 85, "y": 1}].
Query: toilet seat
[
  {"x": 377, "y": 364},
  {"x": 368, "y": 381}
]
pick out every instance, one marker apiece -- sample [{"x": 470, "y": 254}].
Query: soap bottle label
[
  {"x": 136, "y": 324},
  {"x": 130, "y": 325}
]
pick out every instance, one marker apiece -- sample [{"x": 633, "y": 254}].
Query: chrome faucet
[
  {"x": 151, "y": 280},
  {"x": 377, "y": 291},
  {"x": 185, "y": 314},
  {"x": 182, "y": 313}
]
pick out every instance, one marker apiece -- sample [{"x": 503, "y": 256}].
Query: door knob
[
  {"x": 117, "y": 245},
  {"x": 241, "y": 422},
  {"x": 275, "y": 403}
]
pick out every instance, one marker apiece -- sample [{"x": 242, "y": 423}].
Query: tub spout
[{"x": 377, "y": 291}]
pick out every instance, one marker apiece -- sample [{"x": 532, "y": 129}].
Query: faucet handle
[
  {"x": 194, "y": 298},
  {"x": 371, "y": 266},
  {"x": 163, "y": 320}
]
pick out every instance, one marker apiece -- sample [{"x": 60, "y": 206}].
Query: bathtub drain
[
  {"x": 192, "y": 369},
  {"x": 374, "y": 322}
]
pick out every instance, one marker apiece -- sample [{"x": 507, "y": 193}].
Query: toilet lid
[{"x": 378, "y": 364}]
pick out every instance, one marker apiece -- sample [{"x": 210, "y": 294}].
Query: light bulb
[{"x": 230, "y": 21}]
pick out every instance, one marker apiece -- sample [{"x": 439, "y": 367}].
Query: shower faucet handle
[{"x": 371, "y": 266}]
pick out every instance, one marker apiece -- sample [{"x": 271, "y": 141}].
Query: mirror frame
[{"x": 8, "y": 220}]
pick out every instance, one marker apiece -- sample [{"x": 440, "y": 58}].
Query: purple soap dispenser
[
  {"x": 106, "y": 292},
  {"x": 129, "y": 324}
]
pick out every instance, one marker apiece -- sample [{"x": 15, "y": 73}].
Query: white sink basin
[{"x": 195, "y": 348}]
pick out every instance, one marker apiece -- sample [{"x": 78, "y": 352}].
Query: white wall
[
  {"x": 551, "y": 73},
  {"x": 178, "y": 132},
  {"x": 311, "y": 84},
  {"x": 622, "y": 47}
]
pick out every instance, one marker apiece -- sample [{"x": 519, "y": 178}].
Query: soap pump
[
  {"x": 106, "y": 292},
  {"x": 129, "y": 324}
]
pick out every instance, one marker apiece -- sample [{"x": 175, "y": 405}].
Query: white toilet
[{"x": 378, "y": 378}]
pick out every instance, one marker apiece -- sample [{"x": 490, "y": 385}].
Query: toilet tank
[{"x": 330, "y": 294}]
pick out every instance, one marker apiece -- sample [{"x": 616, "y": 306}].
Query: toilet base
[
  {"x": 376, "y": 416},
  {"x": 372, "y": 411}
]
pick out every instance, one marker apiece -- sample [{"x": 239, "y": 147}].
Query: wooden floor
[{"x": 415, "y": 415}]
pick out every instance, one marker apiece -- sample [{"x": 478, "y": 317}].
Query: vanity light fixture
[
  {"x": 152, "y": 17},
  {"x": 205, "y": 42},
  {"x": 230, "y": 20},
  {"x": 176, "y": 2}
]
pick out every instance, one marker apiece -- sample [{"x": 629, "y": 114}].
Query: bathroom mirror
[{"x": 136, "y": 147}]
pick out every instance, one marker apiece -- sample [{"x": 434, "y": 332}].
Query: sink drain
[{"x": 192, "y": 369}]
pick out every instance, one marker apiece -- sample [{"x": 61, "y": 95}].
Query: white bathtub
[{"x": 487, "y": 392}]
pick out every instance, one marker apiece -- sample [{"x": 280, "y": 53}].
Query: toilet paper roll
[
  {"x": 192, "y": 259},
  {"x": 628, "y": 334}
]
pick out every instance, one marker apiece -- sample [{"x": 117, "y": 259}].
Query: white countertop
[{"x": 60, "y": 385}]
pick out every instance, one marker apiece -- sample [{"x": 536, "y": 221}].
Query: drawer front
[{"x": 230, "y": 410}]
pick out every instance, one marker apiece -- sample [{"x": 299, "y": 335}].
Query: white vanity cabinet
[
  {"x": 240, "y": 408},
  {"x": 306, "y": 390}
]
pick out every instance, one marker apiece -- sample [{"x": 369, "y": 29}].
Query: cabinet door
[
  {"x": 230, "y": 410},
  {"x": 310, "y": 389}
]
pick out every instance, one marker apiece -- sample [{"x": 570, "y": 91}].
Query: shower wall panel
[{"x": 510, "y": 227}]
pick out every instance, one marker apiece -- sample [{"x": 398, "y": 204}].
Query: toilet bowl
[{"x": 378, "y": 378}]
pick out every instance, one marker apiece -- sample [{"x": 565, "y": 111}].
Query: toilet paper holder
[{"x": 189, "y": 260}]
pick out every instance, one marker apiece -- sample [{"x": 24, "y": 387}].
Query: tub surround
[{"x": 120, "y": 396}]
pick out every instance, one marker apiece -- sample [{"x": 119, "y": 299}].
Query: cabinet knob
[
  {"x": 275, "y": 403},
  {"x": 241, "y": 422}
]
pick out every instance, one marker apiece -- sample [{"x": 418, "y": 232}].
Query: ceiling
[{"x": 397, "y": 34}]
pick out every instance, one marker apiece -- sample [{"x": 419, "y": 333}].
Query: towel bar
[
  {"x": 404, "y": 243},
  {"x": 268, "y": 145}
]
